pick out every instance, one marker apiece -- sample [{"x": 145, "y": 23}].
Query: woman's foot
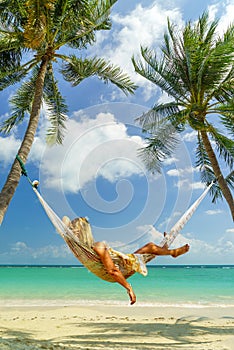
[
  {"x": 179, "y": 251},
  {"x": 132, "y": 296}
]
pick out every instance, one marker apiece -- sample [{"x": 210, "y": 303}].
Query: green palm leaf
[
  {"x": 159, "y": 146},
  {"x": 228, "y": 122},
  {"x": 203, "y": 162},
  {"x": 56, "y": 110},
  {"x": 216, "y": 191},
  {"x": 88, "y": 17},
  {"x": 168, "y": 111},
  {"x": 21, "y": 103},
  {"x": 75, "y": 70},
  {"x": 163, "y": 73},
  {"x": 12, "y": 13},
  {"x": 225, "y": 146}
]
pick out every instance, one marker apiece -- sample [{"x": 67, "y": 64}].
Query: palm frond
[
  {"x": 7, "y": 79},
  {"x": 36, "y": 25},
  {"x": 76, "y": 70},
  {"x": 168, "y": 111},
  {"x": 230, "y": 179},
  {"x": 227, "y": 120},
  {"x": 195, "y": 121},
  {"x": 9, "y": 60},
  {"x": 162, "y": 72},
  {"x": 12, "y": 12},
  {"x": 74, "y": 33},
  {"x": 21, "y": 103},
  {"x": 194, "y": 64},
  {"x": 100, "y": 12},
  {"x": 207, "y": 173},
  {"x": 56, "y": 109},
  {"x": 206, "y": 170},
  {"x": 216, "y": 190},
  {"x": 223, "y": 93},
  {"x": 224, "y": 145},
  {"x": 208, "y": 60},
  {"x": 218, "y": 72},
  {"x": 166, "y": 46},
  {"x": 10, "y": 51},
  {"x": 159, "y": 146},
  {"x": 206, "y": 29},
  {"x": 203, "y": 162},
  {"x": 88, "y": 17}
]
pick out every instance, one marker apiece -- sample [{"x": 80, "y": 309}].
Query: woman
[{"x": 127, "y": 264}]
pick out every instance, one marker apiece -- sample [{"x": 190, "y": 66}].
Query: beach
[
  {"x": 178, "y": 307},
  {"x": 116, "y": 327}
]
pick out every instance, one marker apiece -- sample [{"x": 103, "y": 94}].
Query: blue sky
[{"x": 97, "y": 172}]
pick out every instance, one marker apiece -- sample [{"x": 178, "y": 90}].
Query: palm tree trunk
[
  {"x": 13, "y": 178},
  {"x": 217, "y": 171}
]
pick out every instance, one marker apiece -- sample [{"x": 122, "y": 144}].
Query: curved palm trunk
[
  {"x": 217, "y": 171},
  {"x": 13, "y": 178}
]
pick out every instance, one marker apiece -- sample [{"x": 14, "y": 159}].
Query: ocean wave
[{"x": 65, "y": 303}]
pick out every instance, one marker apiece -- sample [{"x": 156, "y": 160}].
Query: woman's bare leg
[
  {"x": 101, "y": 249},
  {"x": 151, "y": 248}
]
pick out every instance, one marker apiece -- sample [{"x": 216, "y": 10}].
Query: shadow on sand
[{"x": 185, "y": 333}]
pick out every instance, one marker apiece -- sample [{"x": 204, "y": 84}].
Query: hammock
[
  {"x": 80, "y": 239},
  {"x": 89, "y": 258}
]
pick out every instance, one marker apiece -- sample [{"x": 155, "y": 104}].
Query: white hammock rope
[
  {"x": 171, "y": 236},
  {"x": 63, "y": 230}
]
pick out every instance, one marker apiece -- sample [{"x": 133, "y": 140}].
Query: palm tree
[
  {"x": 34, "y": 35},
  {"x": 195, "y": 68}
]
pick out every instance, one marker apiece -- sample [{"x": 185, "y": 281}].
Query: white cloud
[
  {"x": 37, "y": 149},
  {"x": 225, "y": 244},
  {"x": 201, "y": 252},
  {"x": 165, "y": 98},
  {"x": 173, "y": 172},
  {"x": 19, "y": 247},
  {"x": 9, "y": 147},
  {"x": 39, "y": 143},
  {"x": 197, "y": 185},
  {"x": 213, "y": 11},
  {"x": 190, "y": 185},
  {"x": 230, "y": 230},
  {"x": 10, "y": 144},
  {"x": 184, "y": 178},
  {"x": 170, "y": 161},
  {"x": 20, "y": 252},
  {"x": 228, "y": 236},
  {"x": 169, "y": 221},
  {"x": 143, "y": 26},
  {"x": 227, "y": 8},
  {"x": 190, "y": 136},
  {"x": 92, "y": 147},
  {"x": 214, "y": 212},
  {"x": 181, "y": 171}
]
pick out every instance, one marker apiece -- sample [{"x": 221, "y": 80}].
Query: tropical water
[{"x": 187, "y": 286}]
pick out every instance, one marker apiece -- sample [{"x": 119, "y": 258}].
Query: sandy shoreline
[{"x": 116, "y": 327}]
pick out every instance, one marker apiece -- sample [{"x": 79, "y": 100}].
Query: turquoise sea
[{"x": 187, "y": 286}]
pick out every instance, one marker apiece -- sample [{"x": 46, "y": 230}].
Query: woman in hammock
[{"x": 129, "y": 262}]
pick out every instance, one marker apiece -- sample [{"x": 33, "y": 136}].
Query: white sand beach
[{"x": 116, "y": 328}]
